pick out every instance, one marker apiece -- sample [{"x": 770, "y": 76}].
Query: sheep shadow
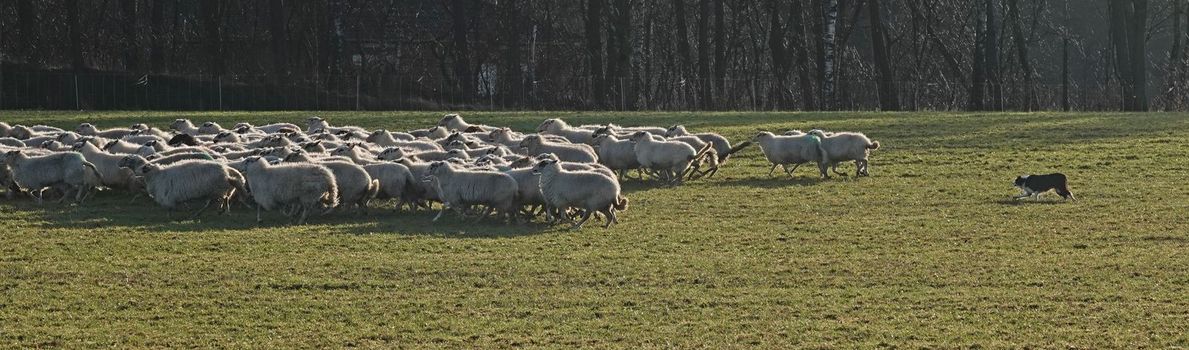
[
  {"x": 770, "y": 182},
  {"x": 114, "y": 213}
]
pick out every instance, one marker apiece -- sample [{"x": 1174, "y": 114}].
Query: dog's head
[{"x": 1020, "y": 181}]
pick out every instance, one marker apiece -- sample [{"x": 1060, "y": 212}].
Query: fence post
[
  {"x": 357, "y": 89},
  {"x": 76, "y": 104},
  {"x": 220, "y": 82}
]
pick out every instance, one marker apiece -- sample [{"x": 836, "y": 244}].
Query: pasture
[{"x": 927, "y": 252}]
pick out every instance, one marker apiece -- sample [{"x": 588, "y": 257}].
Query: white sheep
[
  {"x": 460, "y": 188},
  {"x": 591, "y": 192},
  {"x": 174, "y": 184},
  {"x": 355, "y": 185},
  {"x": 454, "y": 122},
  {"x": 790, "y": 149},
  {"x": 618, "y": 155},
  {"x": 304, "y": 187},
  {"x": 722, "y": 146},
  {"x": 556, "y": 126},
  {"x": 385, "y": 138},
  {"x": 107, "y": 164},
  {"x": 66, "y": 171},
  {"x": 846, "y": 146},
  {"x": 270, "y": 128},
  {"x": 89, "y": 129},
  {"x": 570, "y": 152},
  {"x": 669, "y": 159}
]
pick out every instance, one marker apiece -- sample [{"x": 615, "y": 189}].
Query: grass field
[{"x": 927, "y": 252}]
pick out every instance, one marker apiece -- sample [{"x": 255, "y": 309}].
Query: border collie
[{"x": 1035, "y": 185}]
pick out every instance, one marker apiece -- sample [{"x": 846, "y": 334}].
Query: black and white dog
[{"x": 1034, "y": 185}]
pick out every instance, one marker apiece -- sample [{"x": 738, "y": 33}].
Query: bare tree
[{"x": 888, "y": 96}]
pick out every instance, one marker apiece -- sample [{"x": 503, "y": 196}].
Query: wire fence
[{"x": 124, "y": 91}]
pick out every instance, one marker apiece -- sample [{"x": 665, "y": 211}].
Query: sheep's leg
[
  {"x": 610, "y": 213},
  {"x": 835, "y": 169},
  {"x": 711, "y": 172},
  {"x": 199, "y": 212},
  {"x": 585, "y": 216},
  {"x": 445, "y": 207},
  {"x": 305, "y": 214},
  {"x": 485, "y": 214}
]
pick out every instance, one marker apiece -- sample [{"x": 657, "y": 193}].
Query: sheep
[
  {"x": 359, "y": 154},
  {"x": 395, "y": 181},
  {"x": 846, "y": 146},
  {"x": 722, "y": 146},
  {"x": 460, "y": 188},
  {"x": 454, "y": 122},
  {"x": 47, "y": 129},
  {"x": 420, "y": 192},
  {"x": 107, "y": 164},
  {"x": 355, "y": 185},
  {"x": 785, "y": 150},
  {"x": 89, "y": 129},
  {"x": 304, "y": 186},
  {"x": 556, "y": 126},
  {"x": 433, "y": 133},
  {"x": 143, "y": 139},
  {"x": 174, "y": 184},
  {"x": 228, "y": 137},
  {"x": 21, "y": 132},
  {"x": 591, "y": 192},
  {"x": 392, "y": 153},
  {"x": 572, "y": 166},
  {"x": 68, "y": 138},
  {"x": 535, "y": 144},
  {"x": 184, "y": 126},
  {"x": 143, "y": 130},
  {"x": 268, "y": 129},
  {"x": 11, "y": 142},
  {"x": 5, "y": 129},
  {"x": 53, "y": 145},
  {"x": 618, "y": 155},
  {"x": 66, "y": 170},
  {"x": 670, "y": 159},
  {"x": 121, "y": 146},
  {"x": 319, "y": 124},
  {"x": 386, "y": 138}
]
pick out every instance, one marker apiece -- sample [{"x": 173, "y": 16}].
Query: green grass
[{"x": 927, "y": 252}]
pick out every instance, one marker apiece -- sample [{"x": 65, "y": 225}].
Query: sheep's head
[
  {"x": 450, "y": 118},
  {"x": 10, "y": 156},
  {"x": 530, "y": 142},
  {"x": 543, "y": 164},
  {"x": 547, "y": 124},
  {"x": 131, "y": 162},
  {"x": 85, "y": 128},
  {"x": 50, "y": 145},
  {"x": 499, "y": 134},
  {"x": 77, "y": 146},
  {"x": 21, "y": 132},
  {"x": 178, "y": 124},
  {"x": 391, "y": 153},
  {"x": 315, "y": 146},
  {"x": 676, "y": 130},
  {"x": 794, "y": 132},
  {"x": 457, "y": 153},
  {"x": 224, "y": 136},
  {"x": 762, "y": 135},
  {"x": 255, "y": 161},
  {"x": 641, "y": 136},
  {"x": 139, "y": 126},
  {"x": 375, "y": 135},
  {"x": 438, "y": 132}
]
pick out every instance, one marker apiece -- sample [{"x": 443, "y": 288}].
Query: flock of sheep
[{"x": 565, "y": 173}]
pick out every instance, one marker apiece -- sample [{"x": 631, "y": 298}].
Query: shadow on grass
[
  {"x": 1016, "y": 202},
  {"x": 112, "y": 212},
  {"x": 775, "y": 181}
]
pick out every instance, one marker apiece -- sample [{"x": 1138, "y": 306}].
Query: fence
[{"x": 123, "y": 91}]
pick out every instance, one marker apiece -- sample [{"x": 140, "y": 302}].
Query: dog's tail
[
  {"x": 737, "y": 148},
  {"x": 1066, "y": 193}
]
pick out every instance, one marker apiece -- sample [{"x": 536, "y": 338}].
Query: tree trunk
[
  {"x": 705, "y": 98},
  {"x": 27, "y": 22},
  {"x": 132, "y": 43},
  {"x": 1065, "y": 74},
  {"x": 1013, "y": 8},
  {"x": 461, "y": 49},
  {"x": 1138, "y": 41},
  {"x": 512, "y": 80},
  {"x": 779, "y": 52},
  {"x": 594, "y": 49},
  {"x": 991, "y": 45},
  {"x": 830, "y": 26},
  {"x": 619, "y": 51},
  {"x": 978, "y": 78},
  {"x": 276, "y": 28},
  {"x": 796, "y": 20},
  {"x": 76, "y": 38},
  {"x": 209, "y": 11},
  {"x": 683, "y": 50},
  {"x": 157, "y": 38},
  {"x": 720, "y": 49},
  {"x": 888, "y": 96}
]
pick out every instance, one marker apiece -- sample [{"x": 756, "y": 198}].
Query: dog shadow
[{"x": 1026, "y": 201}]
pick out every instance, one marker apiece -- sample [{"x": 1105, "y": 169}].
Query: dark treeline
[{"x": 596, "y": 54}]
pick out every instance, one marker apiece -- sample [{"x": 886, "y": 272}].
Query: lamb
[
  {"x": 846, "y": 146},
  {"x": 454, "y": 122},
  {"x": 89, "y": 129},
  {"x": 785, "y": 150},
  {"x": 670, "y": 159},
  {"x": 618, "y": 155},
  {"x": 460, "y": 188},
  {"x": 107, "y": 164},
  {"x": 304, "y": 186},
  {"x": 174, "y": 184},
  {"x": 582, "y": 153},
  {"x": 67, "y": 171},
  {"x": 588, "y": 191},
  {"x": 556, "y": 126}
]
